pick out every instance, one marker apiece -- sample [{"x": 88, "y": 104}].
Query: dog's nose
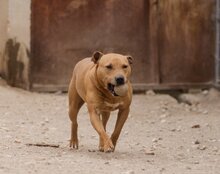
[{"x": 120, "y": 80}]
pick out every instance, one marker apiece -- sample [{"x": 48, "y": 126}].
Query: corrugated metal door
[
  {"x": 63, "y": 32},
  {"x": 217, "y": 47},
  {"x": 172, "y": 41},
  {"x": 186, "y": 42}
]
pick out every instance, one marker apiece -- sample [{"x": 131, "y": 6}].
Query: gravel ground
[{"x": 161, "y": 135}]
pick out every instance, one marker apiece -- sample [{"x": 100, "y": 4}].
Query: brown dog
[{"x": 95, "y": 81}]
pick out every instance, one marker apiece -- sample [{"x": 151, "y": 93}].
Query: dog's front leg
[
  {"x": 98, "y": 126},
  {"x": 122, "y": 117}
]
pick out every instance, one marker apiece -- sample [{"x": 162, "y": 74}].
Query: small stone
[
  {"x": 17, "y": 141},
  {"x": 58, "y": 92},
  {"x": 91, "y": 150},
  {"x": 215, "y": 149},
  {"x": 149, "y": 153},
  {"x": 164, "y": 116},
  {"x": 150, "y": 93},
  {"x": 196, "y": 126},
  {"x": 129, "y": 172},
  {"x": 155, "y": 140},
  {"x": 212, "y": 140},
  {"x": 196, "y": 142},
  {"x": 205, "y": 112},
  {"x": 173, "y": 130},
  {"x": 207, "y": 125},
  {"x": 202, "y": 147},
  {"x": 188, "y": 99},
  {"x": 94, "y": 137},
  {"x": 5, "y": 129},
  {"x": 162, "y": 170},
  {"x": 188, "y": 168},
  {"x": 126, "y": 133},
  {"x": 205, "y": 92},
  {"x": 163, "y": 121},
  {"x": 196, "y": 162},
  {"x": 178, "y": 129},
  {"x": 46, "y": 120},
  {"x": 106, "y": 162}
]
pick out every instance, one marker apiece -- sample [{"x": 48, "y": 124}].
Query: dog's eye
[
  {"x": 109, "y": 66},
  {"x": 124, "y": 66}
]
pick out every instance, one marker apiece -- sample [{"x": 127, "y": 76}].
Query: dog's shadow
[{"x": 118, "y": 154}]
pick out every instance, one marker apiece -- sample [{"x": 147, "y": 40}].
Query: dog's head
[{"x": 113, "y": 70}]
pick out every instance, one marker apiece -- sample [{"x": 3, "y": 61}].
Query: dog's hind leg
[{"x": 75, "y": 103}]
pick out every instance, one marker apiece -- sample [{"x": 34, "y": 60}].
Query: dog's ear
[
  {"x": 96, "y": 56},
  {"x": 130, "y": 60}
]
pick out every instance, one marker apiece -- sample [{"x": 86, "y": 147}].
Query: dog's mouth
[{"x": 111, "y": 89}]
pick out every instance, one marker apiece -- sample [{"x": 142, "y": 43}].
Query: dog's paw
[
  {"x": 106, "y": 146},
  {"x": 74, "y": 143}
]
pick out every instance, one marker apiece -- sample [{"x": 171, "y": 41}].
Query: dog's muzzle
[
  {"x": 111, "y": 89},
  {"x": 119, "y": 80}
]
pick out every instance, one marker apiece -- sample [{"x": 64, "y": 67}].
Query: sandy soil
[{"x": 161, "y": 136}]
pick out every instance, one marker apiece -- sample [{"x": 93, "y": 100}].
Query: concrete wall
[
  {"x": 3, "y": 29},
  {"x": 19, "y": 20},
  {"x": 15, "y": 25}
]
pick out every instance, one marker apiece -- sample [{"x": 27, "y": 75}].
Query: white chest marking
[{"x": 113, "y": 105}]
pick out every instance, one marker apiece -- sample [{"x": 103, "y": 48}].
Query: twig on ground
[{"x": 43, "y": 145}]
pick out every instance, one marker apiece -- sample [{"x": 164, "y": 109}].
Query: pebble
[
  {"x": 205, "y": 112},
  {"x": 188, "y": 99},
  {"x": 164, "y": 115},
  {"x": 205, "y": 92},
  {"x": 196, "y": 162},
  {"x": 94, "y": 137},
  {"x": 150, "y": 93},
  {"x": 215, "y": 149},
  {"x": 5, "y": 129},
  {"x": 173, "y": 130},
  {"x": 162, "y": 170},
  {"x": 163, "y": 121},
  {"x": 202, "y": 147},
  {"x": 129, "y": 172},
  {"x": 126, "y": 133},
  {"x": 149, "y": 153},
  {"x": 17, "y": 141},
  {"x": 155, "y": 140},
  {"x": 212, "y": 140},
  {"x": 46, "y": 120},
  {"x": 196, "y": 126},
  {"x": 196, "y": 142},
  {"x": 188, "y": 168}
]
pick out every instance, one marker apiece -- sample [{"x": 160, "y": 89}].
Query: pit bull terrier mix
[{"x": 102, "y": 82}]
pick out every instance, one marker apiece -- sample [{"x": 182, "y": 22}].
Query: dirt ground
[{"x": 161, "y": 136}]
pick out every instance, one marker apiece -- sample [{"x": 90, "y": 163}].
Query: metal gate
[
  {"x": 172, "y": 41},
  {"x": 217, "y": 56}
]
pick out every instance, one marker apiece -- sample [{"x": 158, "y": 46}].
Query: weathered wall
[
  {"x": 19, "y": 20},
  {"x": 3, "y": 30},
  {"x": 73, "y": 29},
  {"x": 15, "y": 42},
  {"x": 186, "y": 41}
]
